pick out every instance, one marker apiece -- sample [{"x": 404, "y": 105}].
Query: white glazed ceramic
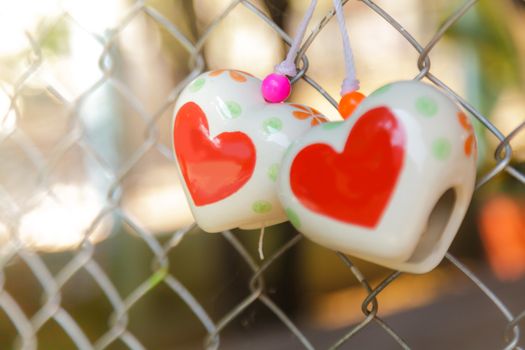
[
  {"x": 229, "y": 144},
  {"x": 391, "y": 184}
]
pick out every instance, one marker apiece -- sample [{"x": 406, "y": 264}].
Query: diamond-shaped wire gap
[
  {"x": 53, "y": 336},
  {"x": 95, "y": 160},
  {"x": 390, "y": 24},
  {"x": 43, "y": 118},
  {"x": 147, "y": 76},
  {"x": 73, "y": 203},
  {"x": 101, "y": 18},
  {"x": 206, "y": 31},
  {"x": 100, "y": 121},
  {"x": 400, "y": 29},
  {"x": 114, "y": 298},
  {"x": 181, "y": 326},
  {"x": 19, "y": 137},
  {"x": 153, "y": 194},
  {"x": 370, "y": 305},
  {"x": 14, "y": 322},
  {"x": 449, "y": 22},
  {"x": 177, "y": 19},
  {"x": 51, "y": 309},
  {"x": 196, "y": 60},
  {"x": 27, "y": 291},
  {"x": 17, "y": 69},
  {"x": 34, "y": 56},
  {"x": 130, "y": 125},
  {"x": 256, "y": 285},
  {"x": 139, "y": 291},
  {"x": 18, "y": 172},
  {"x": 138, "y": 33},
  {"x": 114, "y": 191},
  {"x": 235, "y": 307},
  {"x": 73, "y": 69},
  {"x": 65, "y": 162},
  {"x": 513, "y": 337},
  {"x": 164, "y": 30},
  {"x": 198, "y": 277},
  {"x": 58, "y": 154},
  {"x": 217, "y": 30},
  {"x": 272, "y": 305},
  {"x": 87, "y": 301},
  {"x": 267, "y": 20}
]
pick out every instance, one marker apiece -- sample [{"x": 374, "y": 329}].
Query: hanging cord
[
  {"x": 351, "y": 98},
  {"x": 276, "y": 87},
  {"x": 261, "y": 240},
  {"x": 350, "y": 83},
  {"x": 287, "y": 67}
]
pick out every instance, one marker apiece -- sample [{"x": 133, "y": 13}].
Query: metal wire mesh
[{"x": 51, "y": 308}]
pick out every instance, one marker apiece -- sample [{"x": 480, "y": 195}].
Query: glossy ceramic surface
[
  {"x": 229, "y": 144},
  {"x": 391, "y": 184}
]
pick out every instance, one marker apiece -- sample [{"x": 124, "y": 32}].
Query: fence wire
[{"x": 75, "y": 137}]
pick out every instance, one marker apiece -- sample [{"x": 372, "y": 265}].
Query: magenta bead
[{"x": 276, "y": 88}]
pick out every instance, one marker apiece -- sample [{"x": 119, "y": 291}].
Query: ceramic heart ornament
[
  {"x": 391, "y": 184},
  {"x": 229, "y": 144}
]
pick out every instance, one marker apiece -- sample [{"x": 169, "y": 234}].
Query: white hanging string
[
  {"x": 287, "y": 67},
  {"x": 350, "y": 82},
  {"x": 261, "y": 239}
]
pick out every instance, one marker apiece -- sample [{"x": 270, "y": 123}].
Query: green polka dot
[
  {"x": 294, "y": 218},
  {"x": 332, "y": 125},
  {"x": 261, "y": 207},
  {"x": 234, "y": 108},
  {"x": 230, "y": 110},
  {"x": 272, "y": 125},
  {"x": 273, "y": 171},
  {"x": 441, "y": 148},
  {"x": 426, "y": 106},
  {"x": 197, "y": 84},
  {"x": 381, "y": 90}
]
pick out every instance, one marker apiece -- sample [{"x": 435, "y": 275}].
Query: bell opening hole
[{"x": 436, "y": 224}]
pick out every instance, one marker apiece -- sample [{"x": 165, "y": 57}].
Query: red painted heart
[
  {"x": 353, "y": 186},
  {"x": 213, "y": 168}
]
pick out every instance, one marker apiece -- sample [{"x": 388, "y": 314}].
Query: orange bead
[{"x": 349, "y": 102}]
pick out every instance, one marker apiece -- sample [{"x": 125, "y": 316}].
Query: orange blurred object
[
  {"x": 502, "y": 229},
  {"x": 349, "y": 102}
]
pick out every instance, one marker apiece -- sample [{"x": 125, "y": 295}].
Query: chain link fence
[{"x": 75, "y": 141}]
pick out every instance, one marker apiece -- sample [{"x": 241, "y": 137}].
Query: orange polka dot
[
  {"x": 216, "y": 72},
  {"x": 469, "y": 144},
  {"x": 237, "y": 76},
  {"x": 464, "y": 121}
]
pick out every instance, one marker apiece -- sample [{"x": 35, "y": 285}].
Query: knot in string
[
  {"x": 350, "y": 82},
  {"x": 287, "y": 67}
]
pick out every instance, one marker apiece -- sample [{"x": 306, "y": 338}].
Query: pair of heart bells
[{"x": 391, "y": 184}]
